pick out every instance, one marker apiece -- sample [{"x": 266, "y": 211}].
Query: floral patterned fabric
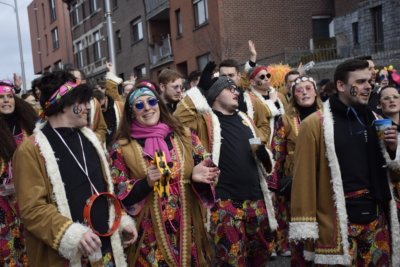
[
  {"x": 12, "y": 240},
  {"x": 170, "y": 210},
  {"x": 282, "y": 215},
  {"x": 241, "y": 234},
  {"x": 108, "y": 261},
  {"x": 397, "y": 199}
]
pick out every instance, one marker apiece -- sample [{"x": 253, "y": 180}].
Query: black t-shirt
[
  {"x": 76, "y": 184},
  {"x": 111, "y": 120},
  {"x": 239, "y": 176},
  {"x": 351, "y": 151}
]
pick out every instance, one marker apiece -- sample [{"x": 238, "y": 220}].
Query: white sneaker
[
  {"x": 284, "y": 253},
  {"x": 273, "y": 253}
]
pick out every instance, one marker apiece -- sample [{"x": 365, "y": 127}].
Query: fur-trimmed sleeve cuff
[
  {"x": 271, "y": 105},
  {"x": 112, "y": 77},
  {"x": 247, "y": 66},
  {"x": 126, "y": 221},
  {"x": 69, "y": 242},
  {"x": 198, "y": 100},
  {"x": 392, "y": 163},
  {"x": 303, "y": 230}
]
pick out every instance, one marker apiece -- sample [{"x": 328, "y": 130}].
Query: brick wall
[
  {"x": 343, "y": 7},
  {"x": 272, "y": 25}
]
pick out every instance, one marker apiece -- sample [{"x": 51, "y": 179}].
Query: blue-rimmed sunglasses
[{"x": 140, "y": 104}]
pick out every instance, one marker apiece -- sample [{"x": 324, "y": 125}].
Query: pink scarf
[{"x": 154, "y": 135}]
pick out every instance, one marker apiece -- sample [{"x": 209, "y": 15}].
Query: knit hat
[
  {"x": 323, "y": 82},
  {"x": 217, "y": 87}
]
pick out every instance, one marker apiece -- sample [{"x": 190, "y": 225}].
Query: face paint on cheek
[
  {"x": 298, "y": 99},
  {"x": 383, "y": 106},
  {"x": 78, "y": 110},
  {"x": 354, "y": 91}
]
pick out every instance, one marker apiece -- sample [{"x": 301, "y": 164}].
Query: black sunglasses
[{"x": 262, "y": 77}]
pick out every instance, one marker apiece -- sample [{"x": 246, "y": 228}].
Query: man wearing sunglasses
[
  {"x": 171, "y": 88},
  {"x": 242, "y": 188}
]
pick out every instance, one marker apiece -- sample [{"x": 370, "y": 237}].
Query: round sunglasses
[
  {"x": 140, "y": 104},
  {"x": 388, "y": 97},
  {"x": 262, "y": 77}
]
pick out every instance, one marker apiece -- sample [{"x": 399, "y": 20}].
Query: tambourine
[{"x": 118, "y": 213}]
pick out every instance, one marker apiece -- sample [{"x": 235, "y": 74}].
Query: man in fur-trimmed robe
[
  {"x": 242, "y": 191},
  {"x": 56, "y": 170},
  {"x": 342, "y": 202}
]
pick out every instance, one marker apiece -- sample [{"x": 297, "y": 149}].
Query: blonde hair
[{"x": 292, "y": 108}]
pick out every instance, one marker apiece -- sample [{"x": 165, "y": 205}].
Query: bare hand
[
  {"x": 153, "y": 175},
  {"x": 273, "y": 96},
  {"x": 300, "y": 69},
  {"x": 110, "y": 67},
  {"x": 203, "y": 174},
  {"x": 391, "y": 138},
  {"x": 17, "y": 81},
  {"x": 253, "y": 51},
  {"x": 132, "y": 78},
  {"x": 130, "y": 232},
  {"x": 89, "y": 243}
]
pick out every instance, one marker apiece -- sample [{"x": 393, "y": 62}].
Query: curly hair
[{"x": 26, "y": 118}]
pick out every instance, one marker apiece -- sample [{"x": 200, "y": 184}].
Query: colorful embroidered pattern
[
  {"x": 12, "y": 239},
  {"x": 241, "y": 234},
  {"x": 108, "y": 261},
  {"x": 169, "y": 212},
  {"x": 282, "y": 215},
  {"x": 369, "y": 243}
]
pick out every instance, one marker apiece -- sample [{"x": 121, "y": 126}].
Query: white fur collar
[
  {"x": 92, "y": 112},
  {"x": 199, "y": 101}
]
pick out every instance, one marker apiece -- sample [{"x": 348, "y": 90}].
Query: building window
[
  {"x": 44, "y": 16},
  {"x": 48, "y": 69},
  {"x": 137, "y": 30},
  {"x": 83, "y": 10},
  {"x": 75, "y": 14},
  {"x": 96, "y": 46},
  {"x": 118, "y": 39},
  {"x": 203, "y": 60},
  {"x": 54, "y": 34},
  {"x": 93, "y": 5},
  {"x": 178, "y": 22},
  {"x": 355, "y": 33},
  {"x": 53, "y": 15},
  {"x": 47, "y": 44},
  {"x": 58, "y": 65},
  {"x": 87, "y": 52},
  {"x": 140, "y": 72},
  {"x": 321, "y": 26},
  {"x": 200, "y": 12},
  {"x": 378, "y": 28},
  {"x": 79, "y": 55}
]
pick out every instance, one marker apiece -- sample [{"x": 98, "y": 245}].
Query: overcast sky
[{"x": 9, "y": 49}]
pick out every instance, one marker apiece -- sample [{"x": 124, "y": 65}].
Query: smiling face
[
  {"x": 357, "y": 90},
  {"x": 304, "y": 93},
  {"x": 7, "y": 103},
  {"x": 149, "y": 115},
  {"x": 77, "y": 114},
  {"x": 391, "y": 105},
  {"x": 384, "y": 78}
]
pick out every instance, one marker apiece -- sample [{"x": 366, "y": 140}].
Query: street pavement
[{"x": 279, "y": 261}]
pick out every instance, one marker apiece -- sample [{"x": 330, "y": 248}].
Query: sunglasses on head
[
  {"x": 139, "y": 105},
  {"x": 262, "y": 77}
]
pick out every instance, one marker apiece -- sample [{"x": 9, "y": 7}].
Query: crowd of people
[{"x": 224, "y": 168}]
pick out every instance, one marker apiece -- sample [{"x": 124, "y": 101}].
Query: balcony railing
[{"x": 160, "y": 52}]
